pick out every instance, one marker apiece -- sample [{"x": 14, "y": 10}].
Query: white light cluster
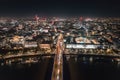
[{"x": 80, "y": 46}]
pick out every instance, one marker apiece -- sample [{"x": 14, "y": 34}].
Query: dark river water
[
  {"x": 102, "y": 69},
  {"x": 34, "y": 71},
  {"x": 72, "y": 70}
]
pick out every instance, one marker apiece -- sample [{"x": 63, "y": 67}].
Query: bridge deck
[{"x": 57, "y": 73}]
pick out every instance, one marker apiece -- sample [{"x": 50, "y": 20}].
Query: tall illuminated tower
[{"x": 37, "y": 19}]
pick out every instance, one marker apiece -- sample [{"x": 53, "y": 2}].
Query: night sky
[{"x": 91, "y": 8}]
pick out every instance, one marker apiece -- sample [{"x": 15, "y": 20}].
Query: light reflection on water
[
  {"x": 91, "y": 69},
  {"x": 27, "y": 71}
]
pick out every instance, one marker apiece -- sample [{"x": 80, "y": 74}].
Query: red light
[{"x": 81, "y": 18}]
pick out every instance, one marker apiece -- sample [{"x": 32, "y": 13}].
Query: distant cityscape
[{"x": 31, "y": 32}]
